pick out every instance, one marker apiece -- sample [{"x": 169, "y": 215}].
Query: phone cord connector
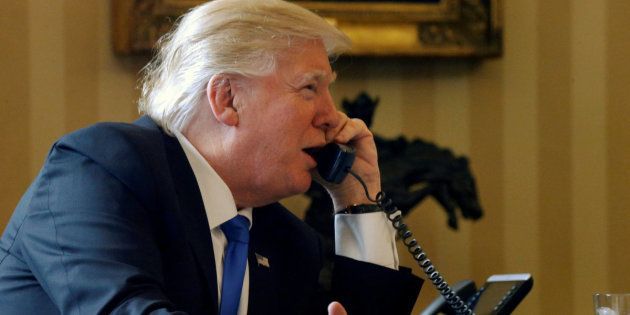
[{"x": 395, "y": 216}]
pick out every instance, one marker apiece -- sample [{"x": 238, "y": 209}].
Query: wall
[{"x": 544, "y": 127}]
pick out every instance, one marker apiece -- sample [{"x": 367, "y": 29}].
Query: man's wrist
[
  {"x": 359, "y": 209},
  {"x": 353, "y": 194}
]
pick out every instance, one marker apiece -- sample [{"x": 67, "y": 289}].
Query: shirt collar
[{"x": 215, "y": 194}]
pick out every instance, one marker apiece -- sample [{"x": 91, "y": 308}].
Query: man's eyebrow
[{"x": 319, "y": 76}]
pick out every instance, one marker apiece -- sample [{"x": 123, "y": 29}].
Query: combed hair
[{"x": 224, "y": 36}]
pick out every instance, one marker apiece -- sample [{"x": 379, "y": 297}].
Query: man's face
[{"x": 281, "y": 115}]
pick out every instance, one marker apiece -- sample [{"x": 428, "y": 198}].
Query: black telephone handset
[{"x": 334, "y": 162}]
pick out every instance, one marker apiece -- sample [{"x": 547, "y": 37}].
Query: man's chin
[
  {"x": 291, "y": 184},
  {"x": 300, "y": 186}
]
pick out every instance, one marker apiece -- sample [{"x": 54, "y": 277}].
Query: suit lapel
[
  {"x": 193, "y": 213},
  {"x": 262, "y": 285},
  {"x": 191, "y": 210}
]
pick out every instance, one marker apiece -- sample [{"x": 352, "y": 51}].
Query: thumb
[{"x": 335, "y": 308}]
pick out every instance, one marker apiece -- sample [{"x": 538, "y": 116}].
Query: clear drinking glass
[{"x": 611, "y": 303}]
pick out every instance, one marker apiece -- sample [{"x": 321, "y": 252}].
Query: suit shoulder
[
  {"x": 279, "y": 221},
  {"x": 277, "y": 213},
  {"x": 111, "y": 144},
  {"x": 133, "y": 154},
  {"x": 107, "y": 136}
]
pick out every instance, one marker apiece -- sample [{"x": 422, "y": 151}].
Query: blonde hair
[{"x": 224, "y": 36}]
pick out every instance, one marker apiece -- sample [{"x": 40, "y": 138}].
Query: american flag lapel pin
[{"x": 262, "y": 260}]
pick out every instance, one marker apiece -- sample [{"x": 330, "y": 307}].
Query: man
[{"x": 133, "y": 218}]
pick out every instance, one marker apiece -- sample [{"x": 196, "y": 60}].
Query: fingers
[
  {"x": 348, "y": 130},
  {"x": 335, "y": 308}
]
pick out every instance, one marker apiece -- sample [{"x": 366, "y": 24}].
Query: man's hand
[
  {"x": 355, "y": 133},
  {"x": 335, "y": 308}
]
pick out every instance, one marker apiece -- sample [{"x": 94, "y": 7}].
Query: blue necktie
[{"x": 237, "y": 233}]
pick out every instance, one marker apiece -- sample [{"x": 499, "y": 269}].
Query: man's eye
[{"x": 311, "y": 87}]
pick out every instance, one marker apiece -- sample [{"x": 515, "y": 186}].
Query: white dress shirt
[{"x": 366, "y": 237}]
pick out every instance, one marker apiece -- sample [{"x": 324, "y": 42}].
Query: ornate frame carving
[{"x": 439, "y": 28}]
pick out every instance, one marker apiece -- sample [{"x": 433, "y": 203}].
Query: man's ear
[{"x": 221, "y": 99}]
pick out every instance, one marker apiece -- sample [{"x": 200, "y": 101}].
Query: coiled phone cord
[{"x": 394, "y": 215}]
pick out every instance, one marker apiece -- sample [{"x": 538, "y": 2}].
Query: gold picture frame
[{"x": 425, "y": 28}]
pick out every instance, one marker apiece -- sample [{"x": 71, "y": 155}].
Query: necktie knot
[{"x": 236, "y": 229}]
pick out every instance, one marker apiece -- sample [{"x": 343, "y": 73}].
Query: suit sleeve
[
  {"x": 366, "y": 279},
  {"x": 89, "y": 243},
  {"x": 366, "y": 289}
]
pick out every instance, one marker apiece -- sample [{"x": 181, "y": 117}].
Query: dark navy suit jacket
[{"x": 114, "y": 223}]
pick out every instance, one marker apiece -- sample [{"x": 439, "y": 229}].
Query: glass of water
[{"x": 611, "y": 303}]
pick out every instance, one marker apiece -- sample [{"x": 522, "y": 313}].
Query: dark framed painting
[{"x": 423, "y": 28}]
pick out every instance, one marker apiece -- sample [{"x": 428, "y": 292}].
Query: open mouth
[{"x": 312, "y": 151}]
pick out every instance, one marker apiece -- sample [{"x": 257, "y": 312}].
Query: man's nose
[{"x": 326, "y": 117}]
